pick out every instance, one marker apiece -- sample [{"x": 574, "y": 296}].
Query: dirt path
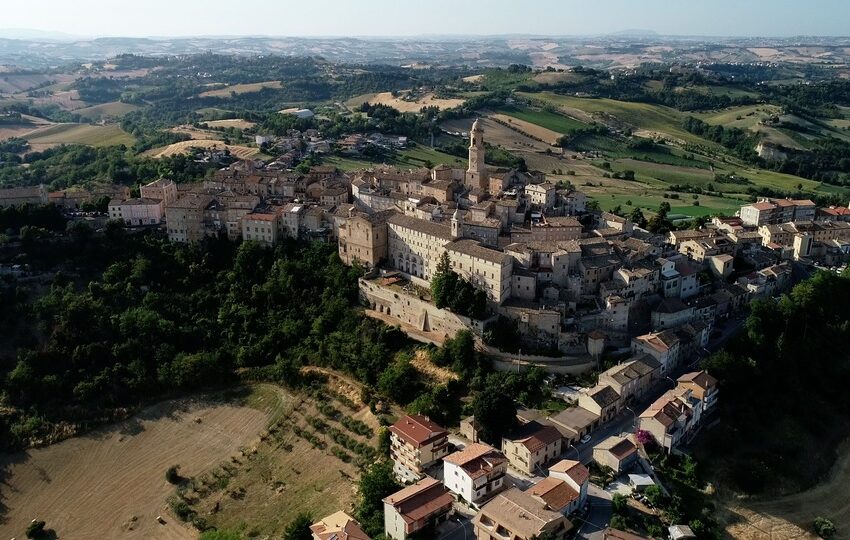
[
  {"x": 792, "y": 516},
  {"x": 92, "y": 487}
]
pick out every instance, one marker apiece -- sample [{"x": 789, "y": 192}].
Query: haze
[{"x": 92, "y": 18}]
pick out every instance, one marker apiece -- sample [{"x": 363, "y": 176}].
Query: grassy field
[
  {"x": 115, "y": 109},
  {"x": 91, "y": 135},
  {"x": 418, "y": 156},
  {"x": 240, "y": 89},
  {"x": 652, "y": 119},
  {"x": 549, "y": 120},
  {"x": 744, "y": 117}
]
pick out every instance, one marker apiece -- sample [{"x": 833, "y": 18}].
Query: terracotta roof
[
  {"x": 477, "y": 459},
  {"x": 699, "y": 378},
  {"x": 535, "y": 436},
  {"x": 763, "y": 206},
  {"x": 420, "y": 500},
  {"x": 338, "y": 526},
  {"x": 574, "y": 469},
  {"x": 418, "y": 430},
  {"x": 521, "y": 513},
  {"x": 554, "y": 492},
  {"x": 623, "y": 449}
]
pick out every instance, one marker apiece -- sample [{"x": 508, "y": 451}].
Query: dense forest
[
  {"x": 783, "y": 401},
  {"x": 156, "y": 318}
]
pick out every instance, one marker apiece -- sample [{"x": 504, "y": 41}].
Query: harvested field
[
  {"x": 497, "y": 134},
  {"x": 92, "y": 487},
  {"x": 114, "y": 109},
  {"x": 533, "y": 130},
  {"x": 237, "y": 123},
  {"x": 792, "y": 516},
  {"x": 184, "y": 147},
  {"x": 405, "y": 102},
  {"x": 197, "y": 133},
  {"x": 240, "y": 89},
  {"x": 91, "y": 135}
]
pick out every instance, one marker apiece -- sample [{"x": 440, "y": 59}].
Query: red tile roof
[
  {"x": 418, "y": 430},
  {"x": 575, "y": 470},
  {"x": 420, "y": 500},
  {"x": 554, "y": 492}
]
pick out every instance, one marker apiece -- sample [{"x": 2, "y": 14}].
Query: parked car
[{"x": 585, "y": 439}]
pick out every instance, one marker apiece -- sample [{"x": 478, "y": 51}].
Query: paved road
[
  {"x": 457, "y": 528},
  {"x": 598, "y": 516}
]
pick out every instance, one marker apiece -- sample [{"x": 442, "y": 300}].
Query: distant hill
[
  {"x": 31, "y": 34},
  {"x": 635, "y": 33}
]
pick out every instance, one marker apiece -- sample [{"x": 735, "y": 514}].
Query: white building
[
  {"x": 137, "y": 212},
  {"x": 475, "y": 473}
]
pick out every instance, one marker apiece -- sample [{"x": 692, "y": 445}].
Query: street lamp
[{"x": 578, "y": 454}]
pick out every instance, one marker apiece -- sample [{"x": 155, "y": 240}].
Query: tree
[
  {"x": 400, "y": 382},
  {"x": 299, "y": 528},
  {"x": 376, "y": 483},
  {"x": 619, "y": 504},
  {"x": 494, "y": 410},
  {"x": 35, "y": 529},
  {"x": 637, "y": 217},
  {"x": 825, "y": 528},
  {"x": 173, "y": 474}
]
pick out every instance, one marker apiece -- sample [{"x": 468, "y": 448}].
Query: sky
[{"x": 95, "y": 18}]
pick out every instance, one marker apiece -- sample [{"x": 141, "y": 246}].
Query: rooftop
[
  {"x": 520, "y": 513},
  {"x": 418, "y": 430}
]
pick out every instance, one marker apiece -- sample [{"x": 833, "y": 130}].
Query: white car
[{"x": 585, "y": 439}]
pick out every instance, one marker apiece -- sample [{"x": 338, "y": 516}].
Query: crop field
[
  {"x": 111, "y": 482},
  {"x": 237, "y": 123},
  {"x": 240, "y": 89},
  {"x": 91, "y": 135},
  {"x": 184, "y": 147},
  {"x": 405, "y": 102},
  {"x": 114, "y": 109},
  {"x": 553, "y": 121},
  {"x": 534, "y": 131}
]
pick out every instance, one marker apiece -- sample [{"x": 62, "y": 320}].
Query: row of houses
[{"x": 476, "y": 475}]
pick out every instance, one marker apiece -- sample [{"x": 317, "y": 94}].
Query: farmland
[
  {"x": 405, "y": 102},
  {"x": 91, "y": 135},
  {"x": 556, "y": 122},
  {"x": 237, "y": 123},
  {"x": 227, "y": 91},
  {"x": 111, "y": 482},
  {"x": 185, "y": 147},
  {"x": 115, "y": 109}
]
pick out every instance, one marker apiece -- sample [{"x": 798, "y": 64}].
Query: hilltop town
[{"x": 504, "y": 288}]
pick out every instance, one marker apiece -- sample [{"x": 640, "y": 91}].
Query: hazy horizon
[{"x": 438, "y": 18}]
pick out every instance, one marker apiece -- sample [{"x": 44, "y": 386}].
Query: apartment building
[
  {"x": 542, "y": 196},
  {"x": 475, "y": 473},
  {"x": 632, "y": 378},
  {"x": 184, "y": 217},
  {"x": 518, "y": 515},
  {"x": 531, "y": 446},
  {"x": 416, "y": 443},
  {"x": 419, "y": 506}
]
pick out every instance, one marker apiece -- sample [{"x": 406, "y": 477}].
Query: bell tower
[{"x": 476, "y": 175}]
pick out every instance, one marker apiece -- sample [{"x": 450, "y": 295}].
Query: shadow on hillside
[{"x": 7, "y": 461}]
